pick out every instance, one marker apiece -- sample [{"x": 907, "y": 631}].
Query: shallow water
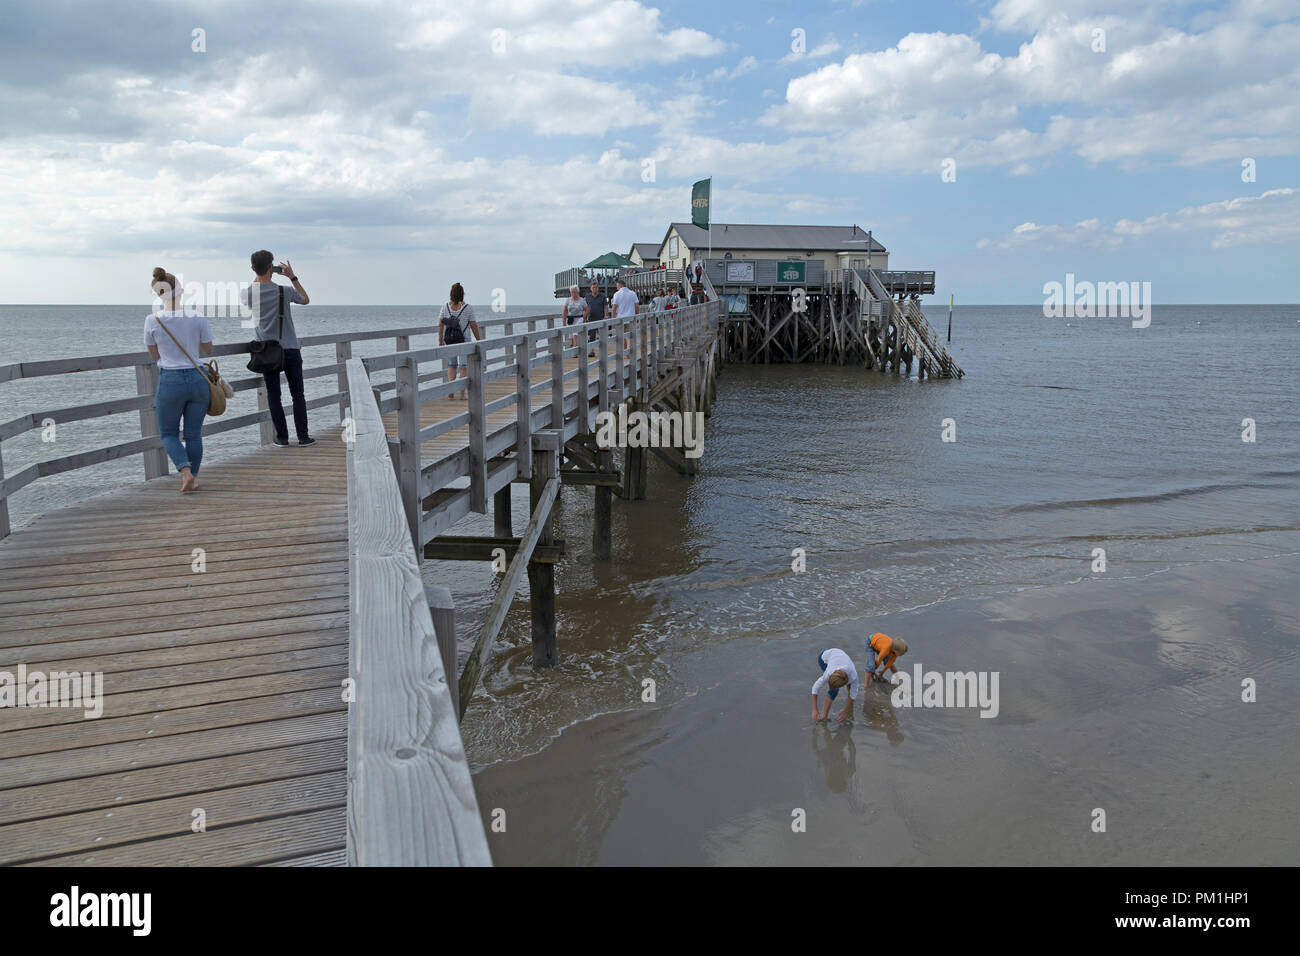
[{"x": 1119, "y": 689}]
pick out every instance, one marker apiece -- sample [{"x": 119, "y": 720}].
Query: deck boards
[{"x": 222, "y": 688}]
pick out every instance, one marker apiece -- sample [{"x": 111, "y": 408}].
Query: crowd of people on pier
[{"x": 178, "y": 338}]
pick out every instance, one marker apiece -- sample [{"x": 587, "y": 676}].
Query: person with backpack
[{"x": 456, "y": 318}]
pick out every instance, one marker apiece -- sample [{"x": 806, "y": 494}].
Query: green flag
[{"x": 700, "y": 203}]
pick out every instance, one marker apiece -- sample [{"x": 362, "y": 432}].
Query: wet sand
[{"x": 1118, "y": 694}]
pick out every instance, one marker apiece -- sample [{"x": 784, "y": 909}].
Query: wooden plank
[
  {"x": 97, "y": 831},
  {"x": 410, "y": 798},
  {"x": 262, "y": 842},
  {"x": 111, "y": 790}
]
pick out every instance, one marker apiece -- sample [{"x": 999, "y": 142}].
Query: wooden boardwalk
[
  {"x": 225, "y": 737},
  {"x": 222, "y": 687}
]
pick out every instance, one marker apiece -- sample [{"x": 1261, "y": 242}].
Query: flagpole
[{"x": 710, "y": 215}]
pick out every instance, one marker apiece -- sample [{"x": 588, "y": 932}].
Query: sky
[{"x": 390, "y": 148}]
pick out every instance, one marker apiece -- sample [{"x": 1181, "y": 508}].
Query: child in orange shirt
[{"x": 882, "y": 651}]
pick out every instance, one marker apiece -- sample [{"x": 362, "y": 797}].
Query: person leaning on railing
[{"x": 174, "y": 335}]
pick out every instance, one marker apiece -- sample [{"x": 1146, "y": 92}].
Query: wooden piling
[{"x": 541, "y": 576}]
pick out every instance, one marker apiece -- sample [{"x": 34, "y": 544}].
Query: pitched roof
[
  {"x": 747, "y": 236},
  {"x": 646, "y": 250}
]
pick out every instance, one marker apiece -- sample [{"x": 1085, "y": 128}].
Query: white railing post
[
  {"x": 584, "y": 386},
  {"x": 524, "y": 409},
  {"x": 557, "y": 380},
  {"x": 408, "y": 440},
  {"x": 602, "y": 359},
  {"x": 266, "y": 427},
  {"x": 343, "y": 352},
  {"x": 146, "y": 383},
  {"x": 477, "y": 432},
  {"x": 4, "y": 502}
]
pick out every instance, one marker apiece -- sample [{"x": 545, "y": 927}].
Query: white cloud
[
  {"x": 1225, "y": 89},
  {"x": 1271, "y": 217},
  {"x": 748, "y": 65}
]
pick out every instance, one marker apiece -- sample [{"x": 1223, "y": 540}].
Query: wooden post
[
  {"x": 443, "y": 612},
  {"x": 523, "y": 409},
  {"x": 403, "y": 343},
  {"x": 643, "y": 347},
  {"x": 557, "y": 380},
  {"x": 408, "y": 438},
  {"x": 618, "y": 357},
  {"x": 4, "y": 504},
  {"x": 501, "y": 524},
  {"x": 541, "y": 575},
  {"x": 146, "y": 383},
  {"x": 343, "y": 352},
  {"x": 584, "y": 388},
  {"x": 266, "y": 428},
  {"x": 602, "y": 525},
  {"x": 477, "y": 431}
]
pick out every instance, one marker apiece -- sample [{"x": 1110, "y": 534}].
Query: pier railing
[
  {"x": 643, "y": 282},
  {"x": 410, "y": 797},
  {"x": 625, "y": 365},
  {"x": 670, "y": 328}
]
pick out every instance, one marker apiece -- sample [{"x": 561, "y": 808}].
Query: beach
[{"x": 1123, "y": 695}]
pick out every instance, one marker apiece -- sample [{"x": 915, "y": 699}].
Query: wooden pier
[
  {"x": 280, "y": 685},
  {"x": 838, "y": 316}
]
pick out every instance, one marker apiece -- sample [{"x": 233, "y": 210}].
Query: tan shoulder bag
[{"x": 218, "y": 388}]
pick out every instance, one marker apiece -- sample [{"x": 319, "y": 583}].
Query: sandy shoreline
[{"x": 1123, "y": 695}]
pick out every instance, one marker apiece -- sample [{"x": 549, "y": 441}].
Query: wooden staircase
[{"x": 913, "y": 329}]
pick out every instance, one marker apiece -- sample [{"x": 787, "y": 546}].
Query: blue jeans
[
  {"x": 832, "y": 691},
  {"x": 183, "y": 393}
]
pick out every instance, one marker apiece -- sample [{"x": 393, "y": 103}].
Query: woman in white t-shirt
[{"x": 176, "y": 337}]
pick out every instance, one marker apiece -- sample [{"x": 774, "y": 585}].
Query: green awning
[{"x": 610, "y": 260}]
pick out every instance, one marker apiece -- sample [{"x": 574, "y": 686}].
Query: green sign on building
[{"x": 790, "y": 271}]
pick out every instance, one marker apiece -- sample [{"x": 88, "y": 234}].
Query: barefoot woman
[{"x": 183, "y": 392}]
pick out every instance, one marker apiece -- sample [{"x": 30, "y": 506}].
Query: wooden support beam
[
  {"x": 547, "y": 487},
  {"x": 600, "y": 479},
  {"x": 448, "y": 547}
]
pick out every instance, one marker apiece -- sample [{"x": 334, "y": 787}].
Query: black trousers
[{"x": 293, "y": 372}]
